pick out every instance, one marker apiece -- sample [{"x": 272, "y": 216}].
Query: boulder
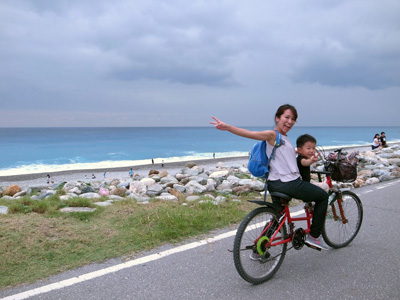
[
  {"x": 154, "y": 190},
  {"x": 118, "y": 191},
  {"x": 195, "y": 187},
  {"x": 90, "y": 195},
  {"x": 11, "y": 190},
  {"x": 138, "y": 188}
]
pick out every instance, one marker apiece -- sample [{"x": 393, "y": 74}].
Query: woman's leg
[{"x": 307, "y": 192}]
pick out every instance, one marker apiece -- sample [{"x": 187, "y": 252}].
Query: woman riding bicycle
[{"x": 284, "y": 175}]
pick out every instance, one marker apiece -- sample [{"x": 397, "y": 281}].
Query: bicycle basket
[{"x": 344, "y": 170}]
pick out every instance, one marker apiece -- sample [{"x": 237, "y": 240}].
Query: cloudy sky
[{"x": 177, "y": 62}]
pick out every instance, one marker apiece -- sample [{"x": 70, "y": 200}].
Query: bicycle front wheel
[
  {"x": 255, "y": 259},
  {"x": 343, "y": 220}
]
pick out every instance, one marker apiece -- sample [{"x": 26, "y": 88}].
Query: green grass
[{"x": 37, "y": 240}]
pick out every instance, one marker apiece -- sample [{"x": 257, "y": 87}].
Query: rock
[
  {"x": 394, "y": 161},
  {"x": 148, "y": 181},
  {"x": 115, "y": 197},
  {"x": 225, "y": 185},
  {"x": 103, "y": 191},
  {"x": 138, "y": 187},
  {"x": 118, "y": 191},
  {"x": 180, "y": 188},
  {"x": 372, "y": 180},
  {"x": 180, "y": 176},
  {"x": 200, "y": 179},
  {"x": 192, "y": 198},
  {"x": 167, "y": 197},
  {"x": 3, "y": 210},
  {"x": 239, "y": 190},
  {"x": 154, "y": 190},
  {"x": 124, "y": 184},
  {"x": 89, "y": 195},
  {"x": 105, "y": 203},
  {"x": 153, "y": 172},
  {"x": 176, "y": 193},
  {"x": 359, "y": 182},
  {"x": 87, "y": 189},
  {"x": 75, "y": 190},
  {"x": 255, "y": 185},
  {"x": 20, "y": 194},
  {"x": 7, "y": 198},
  {"x": 11, "y": 190},
  {"x": 77, "y": 209},
  {"x": 190, "y": 164},
  {"x": 65, "y": 197},
  {"x": 168, "y": 179},
  {"x": 195, "y": 187},
  {"x": 217, "y": 174},
  {"x": 163, "y": 173},
  {"x": 192, "y": 172}
]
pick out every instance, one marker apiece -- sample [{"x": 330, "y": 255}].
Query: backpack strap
[{"x": 278, "y": 142}]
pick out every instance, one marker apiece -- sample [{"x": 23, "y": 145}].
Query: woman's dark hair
[
  {"x": 376, "y": 135},
  {"x": 284, "y": 107}
]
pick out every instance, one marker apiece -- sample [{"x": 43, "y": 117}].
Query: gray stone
[
  {"x": 154, "y": 190},
  {"x": 87, "y": 189},
  {"x": 3, "y": 210},
  {"x": 89, "y": 195},
  {"x": 77, "y": 209},
  {"x": 195, "y": 187},
  {"x": 105, "y": 203}
]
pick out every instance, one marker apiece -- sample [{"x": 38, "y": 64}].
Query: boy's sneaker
[
  {"x": 255, "y": 256},
  {"x": 316, "y": 242}
]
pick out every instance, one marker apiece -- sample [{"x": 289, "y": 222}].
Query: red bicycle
[{"x": 265, "y": 233}]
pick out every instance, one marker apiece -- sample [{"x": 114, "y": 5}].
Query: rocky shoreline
[{"x": 185, "y": 181}]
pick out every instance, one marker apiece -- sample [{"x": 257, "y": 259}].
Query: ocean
[{"x": 38, "y": 150}]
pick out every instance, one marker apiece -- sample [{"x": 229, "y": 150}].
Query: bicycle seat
[{"x": 281, "y": 195}]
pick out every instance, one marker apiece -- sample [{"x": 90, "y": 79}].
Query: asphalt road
[{"x": 369, "y": 268}]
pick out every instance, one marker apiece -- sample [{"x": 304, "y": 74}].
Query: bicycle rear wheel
[
  {"x": 250, "y": 240},
  {"x": 338, "y": 232}
]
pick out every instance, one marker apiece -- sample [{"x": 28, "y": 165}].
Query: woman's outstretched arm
[{"x": 267, "y": 135}]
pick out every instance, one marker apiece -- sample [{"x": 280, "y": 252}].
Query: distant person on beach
[
  {"x": 152, "y": 161},
  {"x": 376, "y": 142},
  {"x": 214, "y": 155},
  {"x": 383, "y": 139},
  {"x": 131, "y": 173},
  {"x": 306, "y": 156},
  {"x": 93, "y": 177},
  {"x": 48, "y": 178},
  {"x": 105, "y": 173},
  {"x": 284, "y": 175},
  {"x": 162, "y": 163}
]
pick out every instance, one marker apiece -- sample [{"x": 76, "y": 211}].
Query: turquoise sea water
[{"x": 36, "y": 150}]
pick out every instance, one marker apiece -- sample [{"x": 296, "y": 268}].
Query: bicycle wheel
[
  {"x": 249, "y": 240},
  {"x": 338, "y": 232}
]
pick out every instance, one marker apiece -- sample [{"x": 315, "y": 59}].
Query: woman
[
  {"x": 284, "y": 175},
  {"x": 376, "y": 143}
]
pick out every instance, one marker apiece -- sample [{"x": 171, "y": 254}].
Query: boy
[{"x": 306, "y": 157}]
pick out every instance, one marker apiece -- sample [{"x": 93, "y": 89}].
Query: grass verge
[{"x": 36, "y": 240}]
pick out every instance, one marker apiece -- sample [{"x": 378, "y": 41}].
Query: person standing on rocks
[
  {"x": 284, "y": 175},
  {"x": 131, "y": 173}
]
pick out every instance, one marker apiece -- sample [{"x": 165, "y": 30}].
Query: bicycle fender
[{"x": 262, "y": 203}]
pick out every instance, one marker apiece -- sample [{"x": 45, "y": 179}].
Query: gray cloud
[{"x": 150, "y": 58}]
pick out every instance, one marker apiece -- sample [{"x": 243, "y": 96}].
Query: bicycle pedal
[{"x": 312, "y": 247}]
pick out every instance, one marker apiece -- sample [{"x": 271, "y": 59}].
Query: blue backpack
[{"x": 258, "y": 164}]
